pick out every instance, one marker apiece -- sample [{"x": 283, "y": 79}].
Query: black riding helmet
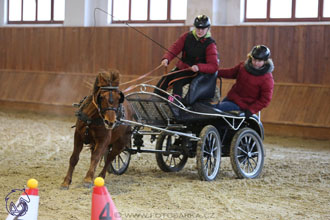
[
  {"x": 202, "y": 21},
  {"x": 260, "y": 52}
]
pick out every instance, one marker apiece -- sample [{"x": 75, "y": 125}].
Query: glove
[
  {"x": 194, "y": 68},
  {"x": 247, "y": 113},
  {"x": 164, "y": 62}
]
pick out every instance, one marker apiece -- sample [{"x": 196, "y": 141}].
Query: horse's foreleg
[
  {"x": 99, "y": 150},
  {"x": 116, "y": 149},
  {"x": 78, "y": 145}
]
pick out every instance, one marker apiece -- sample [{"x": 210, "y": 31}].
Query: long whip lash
[
  {"x": 137, "y": 30},
  {"x": 145, "y": 75}
]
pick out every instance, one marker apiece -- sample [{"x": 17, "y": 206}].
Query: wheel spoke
[
  {"x": 167, "y": 157},
  {"x": 121, "y": 159},
  {"x": 213, "y": 143},
  {"x": 254, "y": 153},
  {"x": 174, "y": 161},
  {"x": 123, "y": 162},
  {"x": 254, "y": 144},
  {"x": 248, "y": 144},
  {"x": 242, "y": 150},
  {"x": 206, "y": 152},
  {"x": 255, "y": 163},
  {"x": 249, "y": 165},
  {"x": 118, "y": 163},
  {"x": 244, "y": 161},
  {"x": 171, "y": 159}
]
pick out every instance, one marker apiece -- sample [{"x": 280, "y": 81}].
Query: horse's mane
[
  {"x": 110, "y": 77},
  {"x": 85, "y": 102}
]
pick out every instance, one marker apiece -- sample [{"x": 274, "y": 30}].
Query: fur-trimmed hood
[{"x": 267, "y": 68}]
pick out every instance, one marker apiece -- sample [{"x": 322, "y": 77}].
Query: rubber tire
[
  {"x": 200, "y": 154},
  {"x": 160, "y": 160},
  {"x": 254, "y": 136},
  {"x": 122, "y": 169}
]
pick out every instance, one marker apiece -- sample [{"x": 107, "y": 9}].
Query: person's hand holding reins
[
  {"x": 194, "y": 68},
  {"x": 164, "y": 62}
]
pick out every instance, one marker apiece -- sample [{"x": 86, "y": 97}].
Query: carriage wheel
[
  {"x": 208, "y": 153},
  {"x": 170, "y": 162},
  {"x": 247, "y": 154},
  {"x": 120, "y": 164}
]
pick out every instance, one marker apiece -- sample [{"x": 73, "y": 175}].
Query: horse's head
[{"x": 107, "y": 97}]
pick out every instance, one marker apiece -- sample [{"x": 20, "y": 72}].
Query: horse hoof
[
  {"x": 102, "y": 175},
  {"x": 88, "y": 185},
  {"x": 64, "y": 187}
]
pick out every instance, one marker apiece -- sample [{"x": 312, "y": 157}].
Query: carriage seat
[{"x": 202, "y": 87}]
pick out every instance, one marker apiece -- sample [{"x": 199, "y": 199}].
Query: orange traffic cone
[
  {"x": 26, "y": 208},
  {"x": 102, "y": 205}
]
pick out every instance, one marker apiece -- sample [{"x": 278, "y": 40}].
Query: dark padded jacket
[{"x": 202, "y": 52}]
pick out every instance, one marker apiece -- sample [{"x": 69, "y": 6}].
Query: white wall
[
  {"x": 81, "y": 12},
  {"x": 100, "y": 16},
  {"x": 74, "y": 13},
  {"x": 221, "y": 12},
  {"x": 198, "y": 7},
  {"x": 3, "y": 12},
  {"x": 235, "y": 12}
]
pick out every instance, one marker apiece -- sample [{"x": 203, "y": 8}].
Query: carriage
[{"x": 197, "y": 130}]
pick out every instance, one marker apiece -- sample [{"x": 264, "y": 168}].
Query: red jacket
[
  {"x": 211, "y": 65},
  {"x": 252, "y": 92}
]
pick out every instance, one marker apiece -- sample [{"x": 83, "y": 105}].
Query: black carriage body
[
  {"x": 197, "y": 130},
  {"x": 157, "y": 111}
]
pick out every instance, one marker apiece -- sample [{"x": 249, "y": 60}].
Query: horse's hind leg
[{"x": 78, "y": 145}]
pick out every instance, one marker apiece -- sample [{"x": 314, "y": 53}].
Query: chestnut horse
[{"x": 98, "y": 125}]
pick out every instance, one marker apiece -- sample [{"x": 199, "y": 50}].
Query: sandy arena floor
[{"x": 295, "y": 183}]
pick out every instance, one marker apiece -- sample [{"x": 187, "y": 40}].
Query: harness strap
[{"x": 83, "y": 117}]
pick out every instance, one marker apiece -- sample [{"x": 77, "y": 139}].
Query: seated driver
[
  {"x": 254, "y": 84},
  {"x": 199, "y": 54}
]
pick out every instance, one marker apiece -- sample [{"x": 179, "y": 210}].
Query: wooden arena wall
[{"x": 46, "y": 69}]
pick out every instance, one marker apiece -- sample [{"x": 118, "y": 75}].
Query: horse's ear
[
  {"x": 101, "y": 80},
  {"x": 96, "y": 95},
  {"x": 122, "y": 97},
  {"x": 115, "y": 76},
  {"x": 96, "y": 87}
]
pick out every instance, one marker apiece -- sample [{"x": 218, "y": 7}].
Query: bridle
[{"x": 118, "y": 110}]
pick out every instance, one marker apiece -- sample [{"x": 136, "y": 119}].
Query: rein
[{"x": 143, "y": 76}]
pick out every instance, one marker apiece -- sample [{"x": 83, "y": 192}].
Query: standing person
[
  {"x": 199, "y": 54},
  {"x": 254, "y": 84}
]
